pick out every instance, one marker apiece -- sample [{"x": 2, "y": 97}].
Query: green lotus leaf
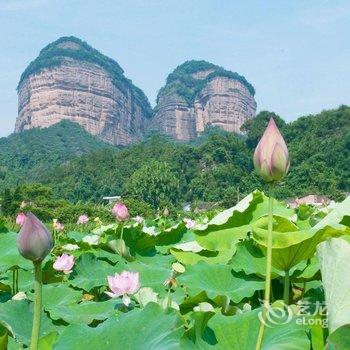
[
  {"x": 90, "y": 272},
  {"x": 218, "y": 280},
  {"x": 9, "y": 255},
  {"x": 152, "y": 275},
  {"x": 333, "y": 256},
  {"x": 17, "y": 317},
  {"x": 339, "y": 339},
  {"x": 210, "y": 257},
  {"x": 58, "y": 295},
  {"x": 233, "y": 224},
  {"x": 250, "y": 259},
  {"x": 150, "y": 328},
  {"x": 240, "y": 332},
  {"x": 85, "y": 312},
  {"x": 290, "y": 245}
]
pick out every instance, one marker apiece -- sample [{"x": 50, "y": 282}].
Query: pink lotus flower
[
  {"x": 64, "y": 263},
  {"x": 120, "y": 211},
  {"x": 20, "y": 219},
  {"x": 57, "y": 225},
  {"x": 83, "y": 219},
  {"x": 34, "y": 240},
  {"x": 271, "y": 158},
  {"x": 124, "y": 284},
  {"x": 190, "y": 224}
]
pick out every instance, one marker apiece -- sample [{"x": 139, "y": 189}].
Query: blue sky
[{"x": 295, "y": 53}]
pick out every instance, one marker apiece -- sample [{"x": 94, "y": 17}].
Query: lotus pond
[{"x": 193, "y": 285}]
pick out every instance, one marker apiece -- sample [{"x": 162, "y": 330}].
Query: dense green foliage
[
  {"x": 26, "y": 156},
  {"x": 53, "y": 55},
  {"x": 39, "y": 199},
  {"x": 215, "y": 169},
  {"x": 182, "y": 83},
  {"x": 183, "y": 297}
]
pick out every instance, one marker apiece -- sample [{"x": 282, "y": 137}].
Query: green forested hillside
[
  {"x": 160, "y": 172},
  {"x": 24, "y": 157}
]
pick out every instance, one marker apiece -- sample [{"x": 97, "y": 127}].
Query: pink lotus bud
[
  {"x": 123, "y": 284},
  {"x": 271, "y": 159},
  {"x": 120, "y": 211},
  {"x": 83, "y": 219},
  {"x": 64, "y": 263},
  {"x": 20, "y": 219},
  {"x": 34, "y": 240}
]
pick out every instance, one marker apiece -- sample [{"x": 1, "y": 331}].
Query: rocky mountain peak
[
  {"x": 199, "y": 93},
  {"x": 71, "y": 80}
]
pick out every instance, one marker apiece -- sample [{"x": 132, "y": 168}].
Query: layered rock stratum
[
  {"x": 71, "y": 80},
  {"x": 198, "y": 94}
]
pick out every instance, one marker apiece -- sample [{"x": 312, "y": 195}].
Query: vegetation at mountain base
[
  {"x": 54, "y": 54},
  {"x": 182, "y": 82},
  {"x": 26, "y": 156},
  {"x": 214, "y": 171}
]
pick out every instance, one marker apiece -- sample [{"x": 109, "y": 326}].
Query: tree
[{"x": 155, "y": 184}]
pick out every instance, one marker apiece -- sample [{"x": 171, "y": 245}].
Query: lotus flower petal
[
  {"x": 34, "y": 239},
  {"x": 64, "y": 263},
  {"x": 271, "y": 158},
  {"x": 120, "y": 211}
]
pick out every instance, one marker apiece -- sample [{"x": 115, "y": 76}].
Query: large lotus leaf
[
  {"x": 25, "y": 279},
  {"x": 250, "y": 259},
  {"x": 90, "y": 272},
  {"x": 17, "y": 317},
  {"x": 334, "y": 256},
  {"x": 290, "y": 245},
  {"x": 218, "y": 280},
  {"x": 337, "y": 217},
  {"x": 152, "y": 275},
  {"x": 339, "y": 339},
  {"x": 240, "y": 332},
  {"x": 210, "y": 257},
  {"x": 9, "y": 255},
  {"x": 138, "y": 241},
  {"x": 172, "y": 235},
  {"x": 85, "y": 312},
  {"x": 199, "y": 336},
  {"x": 58, "y": 295},
  {"x": 233, "y": 224},
  {"x": 150, "y": 328}
]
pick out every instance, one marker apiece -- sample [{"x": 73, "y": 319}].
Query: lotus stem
[
  {"x": 37, "y": 305},
  {"x": 122, "y": 231},
  {"x": 13, "y": 281},
  {"x": 268, "y": 270},
  {"x": 16, "y": 280},
  {"x": 286, "y": 287},
  {"x": 169, "y": 302}
]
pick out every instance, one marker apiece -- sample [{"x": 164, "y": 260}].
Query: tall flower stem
[
  {"x": 286, "y": 288},
  {"x": 122, "y": 231},
  {"x": 268, "y": 270},
  {"x": 16, "y": 280},
  {"x": 37, "y": 305},
  {"x": 169, "y": 302}
]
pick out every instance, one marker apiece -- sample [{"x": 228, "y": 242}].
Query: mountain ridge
[{"x": 71, "y": 80}]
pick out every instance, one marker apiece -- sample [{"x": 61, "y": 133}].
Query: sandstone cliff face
[
  {"x": 222, "y": 101},
  {"x": 84, "y": 92}
]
